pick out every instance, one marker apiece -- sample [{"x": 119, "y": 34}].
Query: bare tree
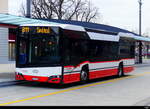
[
  {"x": 80, "y": 10},
  {"x": 89, "y": 13},
  {"x": 23, "y": 10},
  {"x": 146, "y": 32},
  {"x": 42, "y": 9}
]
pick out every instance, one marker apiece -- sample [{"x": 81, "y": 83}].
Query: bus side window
[
  {"x": 94, "y": 49},
  {"x": 91, "y": 49},
  {"x": 75, "y": 48},
  {"x": 23, "y": 52},
  {"x": 67, "y": 50},
  {"x": 113, "y": 46},
  {"x": 84, "y": 48},
  {"x": 106, "y": 50},
  {"x": 126, "y": 49}
]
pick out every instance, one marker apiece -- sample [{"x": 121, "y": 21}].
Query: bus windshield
[{"x": 38, "y": 49}]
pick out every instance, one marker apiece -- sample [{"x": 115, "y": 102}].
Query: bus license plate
[{"x": 35, "y": 79}]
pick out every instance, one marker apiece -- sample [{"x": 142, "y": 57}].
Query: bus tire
[
  {"x": 120, "y": 71},
  {"x": 84, "y": 76}
]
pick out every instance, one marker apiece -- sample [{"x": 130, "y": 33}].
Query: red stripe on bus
[
  {"x": 102, "y": 73},
  {"x": 77, "y": 65},
  {"x": 127, "y": 59},
  {"x": 112, "y": 61},
  {"x": 95, "y": 74},
  {"x": 128, "y": 69},
  {"x": 92, "y": 75},
  {"x": 71, "y": 78},
  {"x": 98, "y": 62}
]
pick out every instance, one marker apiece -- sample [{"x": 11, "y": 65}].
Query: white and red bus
[{"x": 65, "y": 53}]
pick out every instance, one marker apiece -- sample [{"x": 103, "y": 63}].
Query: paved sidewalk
[
  {"x": 146, "y": 62},
  {"x": 7, "y": 70}
]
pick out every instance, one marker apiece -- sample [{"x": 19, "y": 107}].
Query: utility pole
[
  {"x": 140, "y": 30},
  {"x": 28, "y": 8}
]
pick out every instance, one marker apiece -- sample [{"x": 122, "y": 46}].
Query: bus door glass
[{"x": 23, "y": 51}]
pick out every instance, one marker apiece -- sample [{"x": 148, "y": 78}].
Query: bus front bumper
[{"x": 52, "y": 79}]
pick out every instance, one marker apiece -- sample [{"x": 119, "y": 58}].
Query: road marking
[{"x": 71, "y": 89}]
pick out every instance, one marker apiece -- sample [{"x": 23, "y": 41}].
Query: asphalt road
[{"x": 130, "y": 90}]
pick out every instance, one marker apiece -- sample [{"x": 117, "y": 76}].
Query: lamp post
[
  {"x": 140, "y": 30},
  {"x": 28, "y": 8}
]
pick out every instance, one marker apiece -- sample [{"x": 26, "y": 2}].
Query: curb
[
  {"x": 142, "y": 65},
  {"x": 10, "y": 83}
]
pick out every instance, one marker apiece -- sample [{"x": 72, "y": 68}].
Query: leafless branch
[{"x": 80, "y": 10}]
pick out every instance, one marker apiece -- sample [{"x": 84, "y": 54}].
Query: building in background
[
  {"x": 4, "y": 6},
  {"x": 11, "y": 44},
  {"x": 7, "y": 37},
  {"x": 4, "y": 34}
]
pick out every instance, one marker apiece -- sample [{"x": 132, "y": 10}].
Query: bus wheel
[
  {"x": 83, "y": 76},
  {"x": 120, "y": 71}
]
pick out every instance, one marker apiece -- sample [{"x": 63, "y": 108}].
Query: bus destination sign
[{"x": 45, "y": 30}]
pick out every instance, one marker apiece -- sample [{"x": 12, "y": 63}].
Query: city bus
[{"x": 65, "y": 53}]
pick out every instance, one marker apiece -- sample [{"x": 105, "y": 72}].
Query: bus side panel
[
  {"x": 128, "y": 69},
  {"x": 128, "y": 65},
  {"x": 97, "y": 70},
  {"x": 103, "y": 69},
  {"x": 72, "y": 73},
  {"x": 70, "y": 78},
  {"x": 102, "y": 73}
]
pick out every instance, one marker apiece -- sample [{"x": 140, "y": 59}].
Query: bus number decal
[{"x": 25, "y": 29}]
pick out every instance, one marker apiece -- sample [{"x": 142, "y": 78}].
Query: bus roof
[
  {"x": 93, "y": 35},
  {"x": 12, "y": 21},
  {"x": 91, "y": 25},
  {"x": 64, "y": 26}
]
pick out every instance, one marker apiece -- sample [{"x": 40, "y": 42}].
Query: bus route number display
[
  {"x": 25, "y": 29},
  {"x": 43, "y": 30},
  {"x": 37, "y": 30}
]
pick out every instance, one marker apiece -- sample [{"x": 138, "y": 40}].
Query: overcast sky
[{"x": 120, "y": 13}]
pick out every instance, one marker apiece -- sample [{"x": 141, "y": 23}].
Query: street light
[
  {"x": 140, "y": 16},
  {"x": 28, "y": 8},
  {"x": 140, "y": 30}
]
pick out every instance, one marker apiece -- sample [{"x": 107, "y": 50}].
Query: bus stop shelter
[{"x": 8, "y": 24}]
